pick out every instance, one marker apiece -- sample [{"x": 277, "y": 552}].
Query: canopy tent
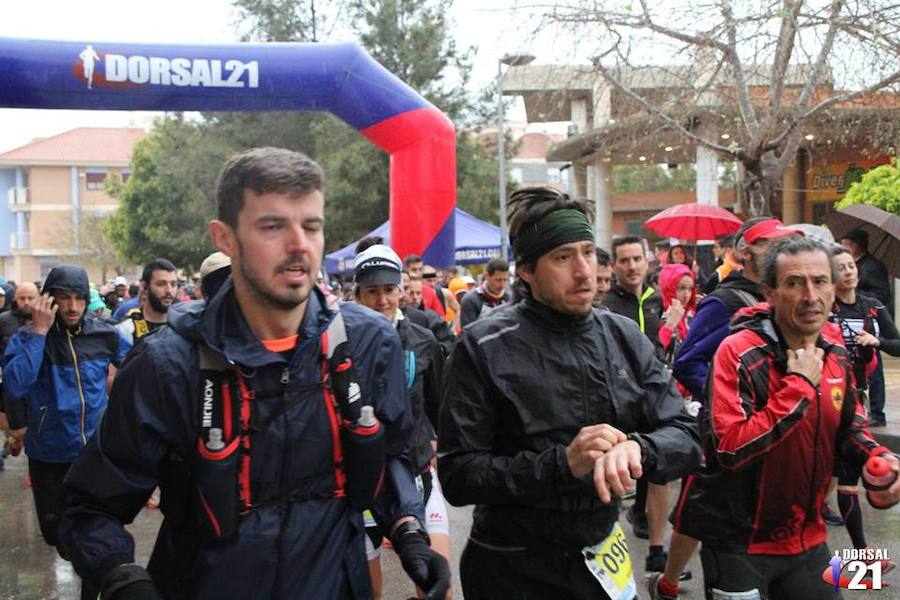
[{"x": 476, "y": 242}]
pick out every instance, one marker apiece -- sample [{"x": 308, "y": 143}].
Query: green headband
[{"x": 554, "y": 229}]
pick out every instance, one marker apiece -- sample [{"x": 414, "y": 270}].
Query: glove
[
  {"x": 128, "y": 582},
  {"x": 428, "y": 569}
]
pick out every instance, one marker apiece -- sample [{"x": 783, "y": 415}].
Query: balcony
[
  {"x": 19, "y": 198},
  {"x": 18, "y": 240}
]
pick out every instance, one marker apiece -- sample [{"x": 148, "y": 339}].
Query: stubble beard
[{"x": 256, "y": 283}]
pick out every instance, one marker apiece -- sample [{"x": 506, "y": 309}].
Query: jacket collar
[
  {"x": 221, "y": 325},
  {"x": 547, "y": 318},
  {"x": 762, "y": 322}
]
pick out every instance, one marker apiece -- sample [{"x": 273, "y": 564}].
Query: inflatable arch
[{"x": 338, "y": 78}]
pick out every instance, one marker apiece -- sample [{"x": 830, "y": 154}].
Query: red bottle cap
[{"x": 877, "y": 466}]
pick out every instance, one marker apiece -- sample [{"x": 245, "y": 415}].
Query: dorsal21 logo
[{"x": 857, "y": 569}]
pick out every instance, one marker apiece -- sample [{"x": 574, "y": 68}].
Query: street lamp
[{"x": 510, "y": 60}]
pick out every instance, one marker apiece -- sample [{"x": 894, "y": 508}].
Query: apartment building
[{"x": 51, "y": 190}]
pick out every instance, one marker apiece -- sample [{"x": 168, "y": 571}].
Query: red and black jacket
[{"x": 770, "y": 439}]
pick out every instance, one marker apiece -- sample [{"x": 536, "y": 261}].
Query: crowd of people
[{"x": 291, "y": 427}]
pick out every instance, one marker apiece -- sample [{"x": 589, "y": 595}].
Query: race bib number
[{"x": 610, "y": 563}]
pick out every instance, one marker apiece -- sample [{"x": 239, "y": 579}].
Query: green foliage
[
  {"x": 879, "y": 187},
  {"x": 477, "y": 172},
  {"x": 169, "y": 197},
  {"x": 411, "y": 39}
]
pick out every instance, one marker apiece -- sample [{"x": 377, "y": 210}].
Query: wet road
[{"x": 30, "y": 570}]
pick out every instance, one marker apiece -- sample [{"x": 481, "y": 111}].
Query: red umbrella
[{"x": 694, "y": 222}]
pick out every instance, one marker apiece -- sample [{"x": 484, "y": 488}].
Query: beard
[
  {"x": 257, "y": 283},
  {"x": 156, "y": 303}
]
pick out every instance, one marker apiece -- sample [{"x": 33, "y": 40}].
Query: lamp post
[{"x": 510, "y": 60}]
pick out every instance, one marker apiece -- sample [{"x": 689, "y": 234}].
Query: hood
[
  {"x": 669, "y": 277},
  {"x": 68, "y": 278}
]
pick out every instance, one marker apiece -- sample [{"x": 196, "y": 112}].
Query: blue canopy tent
[{"x": 476, "y": 242}]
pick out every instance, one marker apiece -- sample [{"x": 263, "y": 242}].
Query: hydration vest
[{"x": 222, "y": 464}]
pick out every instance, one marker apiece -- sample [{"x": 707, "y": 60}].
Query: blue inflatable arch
[{"x": 339, "y": 78}]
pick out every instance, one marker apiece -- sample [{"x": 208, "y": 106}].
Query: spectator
[{"x": 491, "y": 294}]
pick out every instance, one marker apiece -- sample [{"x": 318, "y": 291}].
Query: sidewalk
[{"x": 890, "y": 435}]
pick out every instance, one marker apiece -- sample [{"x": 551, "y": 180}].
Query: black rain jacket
[{"x": 519, "y": 388}]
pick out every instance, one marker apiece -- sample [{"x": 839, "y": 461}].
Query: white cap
[
  {"x": 214, "y": 262},
  {"x": 121, "y": 281},
  {"x": 377, "y": 265}
]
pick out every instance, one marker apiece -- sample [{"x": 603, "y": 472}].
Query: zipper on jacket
[
  {"x": 812, "y": 487},
  {"x": 78, "y": 383},
  {"x": 43, "y": 416}
]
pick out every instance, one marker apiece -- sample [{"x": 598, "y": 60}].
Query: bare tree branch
[
  {"x": 748, "y": 114},
  {"x": 829, "y": 102},
  {"x": 663, "y": 115}
]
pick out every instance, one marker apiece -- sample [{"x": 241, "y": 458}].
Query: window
[
  {"x": 516, "y": 174},
  {"x": 93, "y": 180},
  {"x": 633, "y": 227},
  {"x": 552, "y": 175},
  {"x": 126, "y": 173}
]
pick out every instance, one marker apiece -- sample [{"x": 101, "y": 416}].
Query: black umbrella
[{"x": 883, "y": 229}]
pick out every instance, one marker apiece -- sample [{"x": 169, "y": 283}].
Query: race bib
[{"x": 610, "y": 563}]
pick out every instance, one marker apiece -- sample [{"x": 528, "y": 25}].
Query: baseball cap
[
  {"x": 468, "y": 280},
  {"x": 766, "y": 230},
  {"x": 121, "y": 281},
  {"x": 377, "y": 265},
  {"x": 214, "y": 262},
  {"x": 457, "y": 285}
]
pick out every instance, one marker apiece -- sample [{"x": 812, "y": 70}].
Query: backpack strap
[
  {"x": 336, "y": 370},
  {"x": 746, "y": 297}
]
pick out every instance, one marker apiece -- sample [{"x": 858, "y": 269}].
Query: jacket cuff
[{"x": 648, "y": 452}]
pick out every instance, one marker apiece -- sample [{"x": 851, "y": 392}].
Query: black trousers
[
  {"x": 489, "y": 574},
  {"x": 49, "y": 504},
  {"x": 773, "y": 577}
]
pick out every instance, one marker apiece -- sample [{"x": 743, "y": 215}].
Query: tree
[
  {"x": 92, "y": 247},
  {"x": 879, "y": 187},
  {"x": 760, "y": 71},
  {"x": 169, "y": 197}
]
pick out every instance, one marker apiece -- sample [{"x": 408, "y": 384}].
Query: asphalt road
[{"x": 30, "y": 570}]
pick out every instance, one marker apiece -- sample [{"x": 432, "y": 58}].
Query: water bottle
[
  {"x": 215, "y": 442},
  {"x": 878, "y": 476},
  {"x": 364, "y": 446}
]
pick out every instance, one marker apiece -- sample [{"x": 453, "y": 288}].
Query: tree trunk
[{"x": 762, "y": 177}]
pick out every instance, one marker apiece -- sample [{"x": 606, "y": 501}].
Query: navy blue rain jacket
[{"x": 301, "y": 541}]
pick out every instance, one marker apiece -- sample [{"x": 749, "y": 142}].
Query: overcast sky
[{"x": 484, "y": 23}]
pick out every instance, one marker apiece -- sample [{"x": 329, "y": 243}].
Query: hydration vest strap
[{"x": 334, "y": 336}]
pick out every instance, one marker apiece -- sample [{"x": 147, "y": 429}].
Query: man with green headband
[{"x": 552, "y": 409}]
